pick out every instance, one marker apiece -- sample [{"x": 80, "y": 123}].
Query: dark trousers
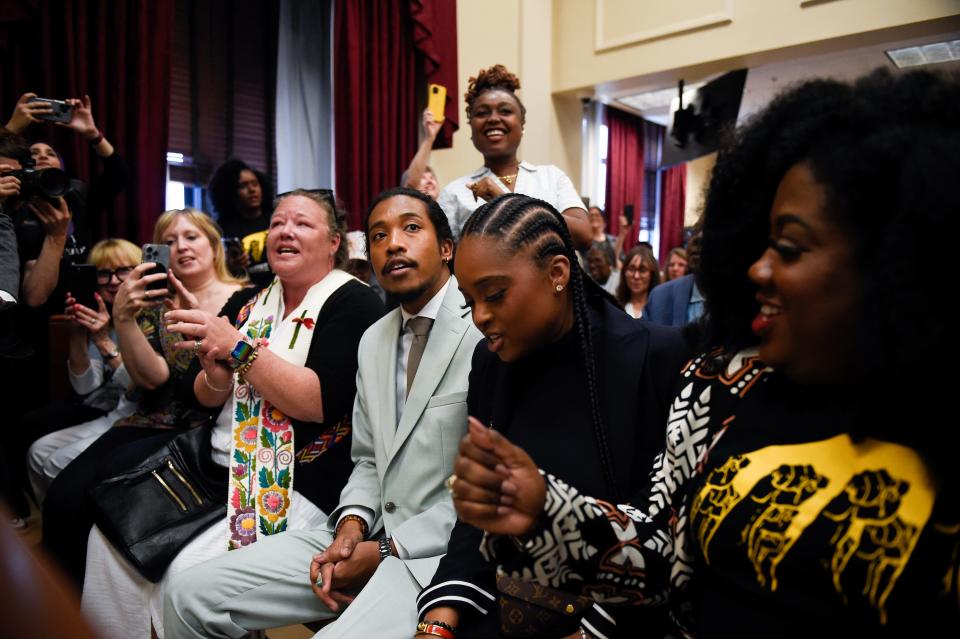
[
  {"x": 32, "y": 426},
  {"x": 67, "y": 516}
]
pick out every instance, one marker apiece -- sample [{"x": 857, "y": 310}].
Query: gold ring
[
  {"x": 196, "y": 347},
  {"x": 449, "y": 481}
]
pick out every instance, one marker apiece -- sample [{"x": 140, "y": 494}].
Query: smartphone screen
[
  {"x": 437, "y": 100},
  {"x": 159, "y": 254},
  {"x": 82, "y": 284}
]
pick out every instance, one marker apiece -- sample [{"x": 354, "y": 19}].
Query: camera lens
[{"x": 52, "y": 182}]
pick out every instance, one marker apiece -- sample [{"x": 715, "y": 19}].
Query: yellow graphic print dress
[{"x": 765, "y": 518}]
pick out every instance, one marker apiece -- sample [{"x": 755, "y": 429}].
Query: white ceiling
[{"x": 766, "y": 80}]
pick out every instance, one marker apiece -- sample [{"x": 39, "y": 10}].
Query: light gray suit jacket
[{"x": 400, "y": 467}]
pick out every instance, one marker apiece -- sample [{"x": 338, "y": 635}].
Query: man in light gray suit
[{"x": 382, "y": 544}]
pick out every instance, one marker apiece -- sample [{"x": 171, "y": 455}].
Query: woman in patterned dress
[{"x": 805, "y": 485}]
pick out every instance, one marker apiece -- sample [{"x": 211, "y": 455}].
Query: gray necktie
[{"x": 420, "y": 326}]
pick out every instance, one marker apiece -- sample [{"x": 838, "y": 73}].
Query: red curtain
[
  {"x": 673, "y": 191},
  {"x": 624, "y": 170},
  {"x": 118, "y": 52},
  {"x": 435, "y": 36},
  {"x": 375, "y": 104}
]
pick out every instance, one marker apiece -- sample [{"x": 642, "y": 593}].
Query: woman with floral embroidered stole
[
  {"x": 286, "y": 379},
  {"x": 808, "y": 483}
]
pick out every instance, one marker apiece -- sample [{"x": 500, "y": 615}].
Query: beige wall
[
  {"x": 555, "y": 48},
  {"x": 609, "y": 40},
  {"x": 698, "y": 176}
]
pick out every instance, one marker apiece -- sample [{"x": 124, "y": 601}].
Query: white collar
[
  {"x": 526, "y": 166},
  {"x": 431, "y": 309}
]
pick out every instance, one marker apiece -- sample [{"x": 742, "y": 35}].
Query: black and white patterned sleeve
[{"x": 618, "y": 554}]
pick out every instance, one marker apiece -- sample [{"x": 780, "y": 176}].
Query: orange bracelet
[{"x": 437, "y": 631}]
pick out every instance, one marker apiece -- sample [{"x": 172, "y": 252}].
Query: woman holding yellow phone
[{"x": 497, "y": 116}]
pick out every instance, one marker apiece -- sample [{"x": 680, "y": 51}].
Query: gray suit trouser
[{"x": 267, "y": 585}]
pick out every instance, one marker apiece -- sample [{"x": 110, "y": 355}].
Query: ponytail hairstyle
[
  {"x": 518, "y": 221},
  {"x": 496, "y": 78}
]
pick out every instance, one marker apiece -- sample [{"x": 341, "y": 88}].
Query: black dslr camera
[{"x": 49, "y": 183}]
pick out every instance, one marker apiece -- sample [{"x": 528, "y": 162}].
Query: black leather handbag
[{"x": 150, "y": 512}]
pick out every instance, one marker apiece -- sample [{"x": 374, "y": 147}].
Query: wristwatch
[
  {"x": 386, "y": 550},
  {"x": 240, "y": 354}
]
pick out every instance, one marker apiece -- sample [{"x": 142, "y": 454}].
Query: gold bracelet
[
  {"x": 206, "y": 380},
  {"x": 356, "y": 518}
]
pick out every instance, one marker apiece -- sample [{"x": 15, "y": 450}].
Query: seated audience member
[
  {"x": 9, "y": 262},
  {"x": 242, "y": 199},
  {"x": 419, "y": 175},
  {"x": 679, "y": 302},
  {"x": 562, "y": 370},
  {"x": 9, "y": 188},
  {"x": 675, "y": 266},
  {"x": 57, "y": 433},
  {"x": 497, "y": 116},
  {"x": 600, "y": 239},
  {"x": 600, "y": 269},
  {"x": 286, "y": 379},
  {"x": 639, "y": 278},
  {"x": 808, "y": 484},
  {"x": 23, "y": 331},
  {"x": 164, "y": 375},
  {"x": 358, "y": 262},
  {"x": 382, "y": 542},
  {"x": 51, "y": 236}
]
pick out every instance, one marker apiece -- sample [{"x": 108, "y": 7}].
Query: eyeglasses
[
  {"x": 633, "y": 270},
  {"x": 104, "y": 275}
]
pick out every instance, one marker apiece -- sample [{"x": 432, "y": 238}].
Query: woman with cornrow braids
[
  {"x": 554, "y": 372},
  {"x": 497, "y": 118}
]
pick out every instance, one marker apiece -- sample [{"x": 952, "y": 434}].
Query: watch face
[{"x": 240, "y": 354}]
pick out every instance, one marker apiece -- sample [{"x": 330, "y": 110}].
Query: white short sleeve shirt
[{"x": 546, "y": 182}]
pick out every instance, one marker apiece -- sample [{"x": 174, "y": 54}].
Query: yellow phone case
[{"x": 437, "y": 100}]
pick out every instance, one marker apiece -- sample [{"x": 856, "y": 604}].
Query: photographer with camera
[
  {"x": 41, "y": 218},
  {"x": 83, "y": 201}
]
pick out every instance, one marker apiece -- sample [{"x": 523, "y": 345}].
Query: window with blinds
[{"x": 222, "y": 87}]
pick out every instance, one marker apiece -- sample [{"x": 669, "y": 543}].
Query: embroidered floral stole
[{"x": 262, "y": 450}]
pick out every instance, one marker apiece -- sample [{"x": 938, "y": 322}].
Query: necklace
[{"x": 508, "y": 179}]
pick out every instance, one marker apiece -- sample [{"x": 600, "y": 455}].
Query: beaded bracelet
[
  {"x": 356, "y": 518},
  {"x": 243, "y": 368}
]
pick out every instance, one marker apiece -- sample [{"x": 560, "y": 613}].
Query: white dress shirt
[{"x": 545, "y": 182}]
